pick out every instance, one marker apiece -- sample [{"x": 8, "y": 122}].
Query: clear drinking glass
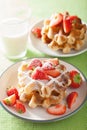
[{"x": 14, "y": 33}]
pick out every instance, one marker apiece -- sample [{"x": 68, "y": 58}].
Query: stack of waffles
[
  {"x": 63, "y": 32},
  {"x": 42, "y": 82}
]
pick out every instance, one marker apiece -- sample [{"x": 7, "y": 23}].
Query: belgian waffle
[
  {"x": 42, "y": 92},
  {"x": 58, "y": 39}
]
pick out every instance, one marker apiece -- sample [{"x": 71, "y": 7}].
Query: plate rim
[
  {"x": 48, "y": 120},
  {"x": 59, "y": 55}
]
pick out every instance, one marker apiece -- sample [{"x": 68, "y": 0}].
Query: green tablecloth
[{"x": 43, "y": 9}]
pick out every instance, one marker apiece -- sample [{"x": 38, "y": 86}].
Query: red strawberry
[
  {"x": 67, "y": 24},
  {"x": 54, "y": 73},
  {"x": 73, "y": 18},
  {"x": 38, "y": 73},
  {"x": 34, "y": 63},
  {"x": 76, "y": 79},
  {"x": 56, "y": 20},
  {"x": 37, "y": 32},
  {"x": 10, "y": 101},
  {"x": 58, "y": 109},
  {"x": 71, "y": 98},
  {"x": 47, "y": 66},
  {"x": 12, "y": 91},
  {"x": 20, "y": 108}
]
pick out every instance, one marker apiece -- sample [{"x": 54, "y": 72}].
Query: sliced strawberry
[
  {"x": 54, "y": 73},
  {"x": 12, "y": 91},
  {"x": 48, "y": 66},
  {"x": 54, "y": 61},
  {"x": 67, "y": 25},
  {"x": 73, "y": 18},
  {"x": 39, "y": 73},
  {"x": 37, "y": 32},
  {"x": 56, "y": 20},
  {"x": 10, "y": 101},
  {"x": 20, "y": 108},
  {"x": 34, "y": 63},
  {"x": 71, "y": 98},
  {"x": 58, "y": 109},
  {"x": 76, "y": 79}
]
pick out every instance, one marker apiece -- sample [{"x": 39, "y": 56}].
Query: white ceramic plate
[
  {"x": 39, "y": 45},
  {"x": 9, "y": 77}
]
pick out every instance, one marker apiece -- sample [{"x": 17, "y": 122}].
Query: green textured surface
[
  {"x": 43, "y": 9},
  {"x": 46, "y": 7}
]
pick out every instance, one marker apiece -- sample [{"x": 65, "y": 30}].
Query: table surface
[{"x": 43, "y": 9}]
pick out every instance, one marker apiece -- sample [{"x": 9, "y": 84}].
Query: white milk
[{"x": 14, "y": 38}]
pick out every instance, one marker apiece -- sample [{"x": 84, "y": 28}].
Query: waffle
[
  {"x": 57, "y": 39},
  {"x": 38, "y": 92}
]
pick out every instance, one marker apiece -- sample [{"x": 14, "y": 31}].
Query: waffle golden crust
[
  {"x": 63, "y": 32},
  {"x": 42, "y": 82}
]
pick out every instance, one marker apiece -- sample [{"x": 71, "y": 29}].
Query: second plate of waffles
[{"x": 61, "y": 35}]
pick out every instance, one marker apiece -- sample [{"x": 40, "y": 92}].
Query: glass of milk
[{"x": 14, "y": 34}]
